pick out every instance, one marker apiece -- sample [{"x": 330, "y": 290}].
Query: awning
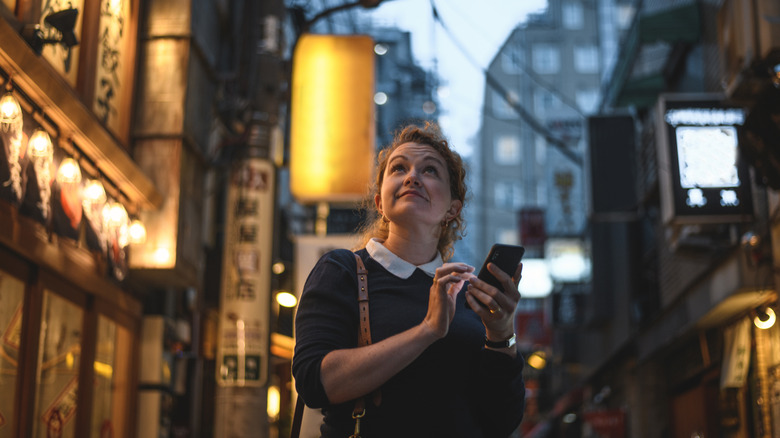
[{"x": 640, "y": 73}]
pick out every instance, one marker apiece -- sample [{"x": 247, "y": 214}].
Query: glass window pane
[
  {"x": 573, "y": 16},
  {"x": 112, "y": 371},
  {"x": 586, "y": 59},
  {"x": 58, "y": 368},
  {"x": 510, "y": 60},
  {"x": 11, "y": 301},
  {"x": 587, "y": 100},
  {"x": 507, "y": 150},
  {"x": 501, "y": 108},
  {"x": 545, "y": 58}
]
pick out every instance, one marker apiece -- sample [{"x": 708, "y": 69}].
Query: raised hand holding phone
[{"x": 505, "y": 257}]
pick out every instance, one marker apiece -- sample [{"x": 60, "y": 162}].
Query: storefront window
[
  {"x": 11, "y": 300},
  {"x": 58, "y": 367},
  {"x": 112, "y": 360}
]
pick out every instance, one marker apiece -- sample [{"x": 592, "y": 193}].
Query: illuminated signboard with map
[{"x": 702, "y": 177}]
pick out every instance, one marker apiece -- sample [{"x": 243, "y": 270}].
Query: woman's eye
[
  {"x": 432, "y": 170},
  {"x": 397, "y": 168}
]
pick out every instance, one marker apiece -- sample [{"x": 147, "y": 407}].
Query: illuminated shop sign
[{"x": 702, "y": 177}]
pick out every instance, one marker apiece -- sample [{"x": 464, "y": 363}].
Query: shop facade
[
  {"x": 70, "y": 324},
  {"x": 100, "y": 281},
  {"x": 677, "y": 339}
]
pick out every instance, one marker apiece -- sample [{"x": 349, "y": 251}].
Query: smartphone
[{"x": 506, "y": 257}]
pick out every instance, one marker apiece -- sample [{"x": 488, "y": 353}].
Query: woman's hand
[
  {"x": 447, "y": 282},
  {"x": 496, "y": 308}
]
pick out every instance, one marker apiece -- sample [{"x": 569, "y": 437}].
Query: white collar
[{"x": 396, "y": 265}]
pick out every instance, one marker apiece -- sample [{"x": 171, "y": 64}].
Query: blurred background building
[{"x": 150, "y": 218}]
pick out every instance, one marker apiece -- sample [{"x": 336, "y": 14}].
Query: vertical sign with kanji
[{"x": 242, "y": 358}]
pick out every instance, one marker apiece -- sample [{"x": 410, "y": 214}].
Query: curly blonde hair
[{"x": 430, "y": 135}]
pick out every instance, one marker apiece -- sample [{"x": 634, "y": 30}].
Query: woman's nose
[{"x": 412, "y": 179}]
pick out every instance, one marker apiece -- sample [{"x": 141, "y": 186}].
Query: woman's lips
[{"x": 411, "y": 193}]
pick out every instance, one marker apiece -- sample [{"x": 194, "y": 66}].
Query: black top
[{"x": 455, "y": 388}]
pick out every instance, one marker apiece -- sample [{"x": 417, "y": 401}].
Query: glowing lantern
[
  {"x": 10, "y": 113},
  {"x": 332, "y": 118}
]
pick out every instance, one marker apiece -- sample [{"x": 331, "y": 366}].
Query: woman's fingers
[
  {"x": 447, "y": 282},
  {"x": 518, "y": 274},
  {"x": 499, "y": 305}
]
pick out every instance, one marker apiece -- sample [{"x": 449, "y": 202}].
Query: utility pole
[{"x": 245, "y": 301}]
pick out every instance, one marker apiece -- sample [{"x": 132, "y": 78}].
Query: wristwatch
[{"x": 500, "y": 344}]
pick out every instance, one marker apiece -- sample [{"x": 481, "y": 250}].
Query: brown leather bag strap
[{"x": 364, "y": 336}]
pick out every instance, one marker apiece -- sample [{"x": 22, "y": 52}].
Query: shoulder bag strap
[
  {"x": 295, "y": 430},
  {"x": 364, "y": 338}
]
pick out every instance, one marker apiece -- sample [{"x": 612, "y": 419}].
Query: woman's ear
[
  {"x": 455, "y": 207},
  {"x": 378, "y": 202}
]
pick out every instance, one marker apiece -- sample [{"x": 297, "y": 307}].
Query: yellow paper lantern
[{"x": 332, "y": 118}]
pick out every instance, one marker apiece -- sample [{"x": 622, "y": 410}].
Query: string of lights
[{"x": 102, "y": 202}]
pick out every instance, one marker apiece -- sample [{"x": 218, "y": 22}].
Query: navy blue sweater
[{"x": 455, "y": 388}]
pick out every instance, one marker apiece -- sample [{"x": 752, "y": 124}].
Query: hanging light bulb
[
  {"x": 116, "y": 215},
  {"x": 137, "y": 232},
  {"x": 765, "y": 319},
  {"x": 40, "y": 145},
  {"x": 10, "y": 113},
  {"x": 94, "y": 192},
  {"x": 69, "y": 172},
  {"x": 115, "y": 221}
]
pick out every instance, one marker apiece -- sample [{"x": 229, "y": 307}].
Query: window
[
  {"x": 57, "y": 383},
  {"x": 586, "y": 59},
  {"x": 572, "y": 15},
  {"x": 112, "y": 371},
  {"x": 587, "y": 100},
  {"x": 546, "y": 58},
  {"x": 501, "y": 108},
  {"x": 508, "y": 195},
  {"x": 11, "y": 302},
  {"x": 511, "y": 60},
  {"x": 541, "y": 151},
  {"x": 506, "y": 149},
  {"x": 545, "y": 101}
]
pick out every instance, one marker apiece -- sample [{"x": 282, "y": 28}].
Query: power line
[{"x": 527, "y": 117}]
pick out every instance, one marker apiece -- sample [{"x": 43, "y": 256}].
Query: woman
[{"x": 428, "y": 371}]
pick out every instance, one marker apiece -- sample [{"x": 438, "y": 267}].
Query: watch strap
[{"x": 501, "y": 344}]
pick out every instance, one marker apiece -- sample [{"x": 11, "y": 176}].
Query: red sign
[
  {"x": 609, "y": 423},
  {"x": 532, "y": 231}
]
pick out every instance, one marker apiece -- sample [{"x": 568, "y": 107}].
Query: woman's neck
[{"x": 415, "y": 249}]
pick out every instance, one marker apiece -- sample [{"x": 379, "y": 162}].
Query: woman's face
[{"x": 416, "y": 187}]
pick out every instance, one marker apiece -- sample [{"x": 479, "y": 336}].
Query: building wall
[{"x": 541, "y": 176}]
